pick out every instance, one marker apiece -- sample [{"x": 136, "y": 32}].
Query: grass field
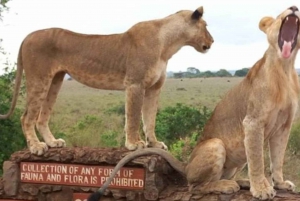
[
  {"x": 78, "y": 104},
  {"x": 76, "y": 101},
  {"x": 197, "y": 91}
]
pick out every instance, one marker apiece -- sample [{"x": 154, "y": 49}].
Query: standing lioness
[{"x": 134, "y": 61}]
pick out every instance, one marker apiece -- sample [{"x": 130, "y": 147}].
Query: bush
[
  {"x": 183, "y": 148},
  {"x": 109, "y": 139},
  {"x": 12, "y": 138},
  {"x": 172, "y": 125},
  {"x": 179, "y": 122}
]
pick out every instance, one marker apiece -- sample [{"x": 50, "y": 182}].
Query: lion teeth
[
  {"x": 296, "y": 20},
  {"x": 287, "y": 18}
]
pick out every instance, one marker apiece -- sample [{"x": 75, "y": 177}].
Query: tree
[
  {"x": 2, "y": 7},
  {"x": 207, "y": 74},
  {"x": 178, "y": 75},
  {"x": 242, "y": 72},
  {"x": 193, "y": 70},
  {"x": 12, "y": 138},
  {"x": 3, "y": 2},
  {"x": 223, "y": 73}
]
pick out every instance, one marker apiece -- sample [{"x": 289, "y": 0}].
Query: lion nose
[
  {"x": 294, "y": 8},
  {"x": 205, "y": 47}
]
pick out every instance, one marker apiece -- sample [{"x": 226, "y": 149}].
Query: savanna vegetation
[
  {"x": 91, "y": 117},
  {"x": 192, "y": 72},
  {"x": 11, "y": 136},
  {"x": 95, "y": 118}
]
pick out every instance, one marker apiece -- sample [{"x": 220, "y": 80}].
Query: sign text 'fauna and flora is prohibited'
[{"x": 81, "y": 175}]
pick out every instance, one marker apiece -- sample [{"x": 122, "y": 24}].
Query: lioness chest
[{"x": 279, "y": 119}]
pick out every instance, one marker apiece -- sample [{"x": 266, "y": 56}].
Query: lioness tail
[
  {"x": 17, "y": 86},
  {"x": 177, "y": 165}
]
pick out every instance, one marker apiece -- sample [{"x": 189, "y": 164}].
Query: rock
[{"x": 11, "y": 178}]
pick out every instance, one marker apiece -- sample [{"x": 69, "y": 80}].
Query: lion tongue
[{"x": 286, "y": 49}]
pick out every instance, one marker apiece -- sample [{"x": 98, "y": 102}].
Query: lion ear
[
  {"x": 265, "y": 23},
  {"x": 197, "y": 14}
]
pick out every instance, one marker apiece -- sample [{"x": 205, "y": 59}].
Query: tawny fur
[
  {"x": 259, "y": 109},
  {"x": 134, "y": 61}
]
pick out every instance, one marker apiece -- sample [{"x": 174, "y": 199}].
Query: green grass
[
  {"x": 75, "y": 101},
  {"x": 78, "y": 104}
]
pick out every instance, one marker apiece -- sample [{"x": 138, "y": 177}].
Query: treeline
[{"x": 193, "y": 72}]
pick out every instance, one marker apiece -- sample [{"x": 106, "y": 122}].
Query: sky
[{"x": 233, "y": 24}]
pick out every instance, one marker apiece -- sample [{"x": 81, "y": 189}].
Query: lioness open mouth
[{"x": 288, "y": 33}]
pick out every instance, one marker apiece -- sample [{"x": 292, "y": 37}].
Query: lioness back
[{"x": 79, "y": 55}]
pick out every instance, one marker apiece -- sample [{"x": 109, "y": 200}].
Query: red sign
[
  {"x": 80, "y": 196},
  {"x": 81, "y": 175}
]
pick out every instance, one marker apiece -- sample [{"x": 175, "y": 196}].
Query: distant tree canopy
[
  {"x": 241, "y": 73},
  {"x": 192, "y": 72},
  {"x": 178, "y": 75},
  {"x": 223, "y": 73},
  {"x": 207, "y": 74}
]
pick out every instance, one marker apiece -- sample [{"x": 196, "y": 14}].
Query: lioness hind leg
[
  {"x": 206, "y": 169},
  {"x": 149, "y": 112},
  {"x": 134, "y": 100},
  {"x": 35, "y": 96},
  {"x": 44, "y": 116}
]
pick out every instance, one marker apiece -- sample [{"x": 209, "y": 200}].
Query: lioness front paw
[
  {"x": 157, "y": 144},
  {"x": 56, "y": 143},
  {"x": 286, "y": 185},
  {"x": 134, "y": 146},
  {"x": 38, "y": 148},
  {"x": 262, "y": 190}
]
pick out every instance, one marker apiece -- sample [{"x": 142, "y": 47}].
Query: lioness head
[
  {"x": 283, "y": 32},
  {"x": 199, "y": 36}
]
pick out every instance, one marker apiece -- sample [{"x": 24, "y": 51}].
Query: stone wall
[{"x": 160, "y": 181}]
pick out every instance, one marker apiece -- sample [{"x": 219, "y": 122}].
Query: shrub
[
  {"x": 178, "y": 122},
  {"x": 12, "y": 138},
  {"x": 110, "y": 139},
  {"x": 172, "y": 125},
  {"x": 183, "y": 148}
]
